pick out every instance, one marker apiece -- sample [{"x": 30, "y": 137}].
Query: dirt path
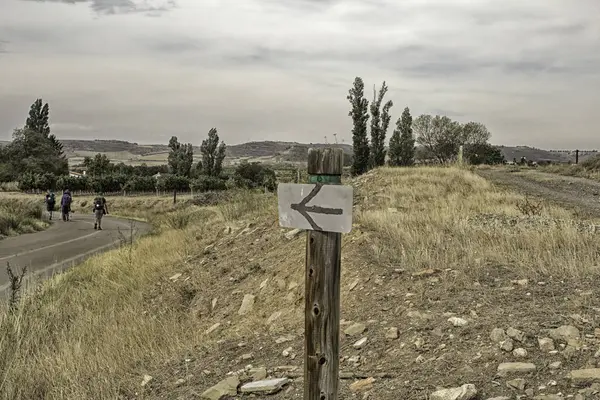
[{"x": 578, "y": 194}]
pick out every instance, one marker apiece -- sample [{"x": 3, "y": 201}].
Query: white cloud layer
[{"x": 143, "y": 70}]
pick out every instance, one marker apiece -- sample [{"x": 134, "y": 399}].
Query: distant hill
[
  {"x": 535, "y": 154},
  {"x": 263, "y": 151}
]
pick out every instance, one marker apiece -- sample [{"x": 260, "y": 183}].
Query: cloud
[
  {"x": 122, "y": 6},
  {"x": 271, "y": 69}
]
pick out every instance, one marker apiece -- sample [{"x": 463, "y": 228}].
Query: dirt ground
[
  {"x": 578, "y": 194},
  {"x": 430, "y": 352}
]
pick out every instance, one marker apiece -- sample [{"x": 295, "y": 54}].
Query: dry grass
[
  {"x": 590, "y": 169},
  {"x": 434, "y": 227},
  {"x": 20, "y": 216},
  {"x": 93, "y": 332}
]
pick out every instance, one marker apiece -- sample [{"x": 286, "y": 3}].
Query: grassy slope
[
  {"x": 21, "y": 216},
  {"x": 590, "y": 168},
  {"x": 93, "y": 332}
]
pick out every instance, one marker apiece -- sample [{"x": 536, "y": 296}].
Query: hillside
[
  {"x": 535, "y": 154},
  {"x": 446, "y": 278}
]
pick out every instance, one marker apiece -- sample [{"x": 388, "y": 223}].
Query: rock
[
  {"x": 180, "y": 382},
  {"x": 419, "y": 343},
  {"x": 353, "y": 284},
  {"x": 213, "y": 304},
  {"x": 269, "y": 386},
  {"x": 565, "y": 333},
  {"x": 355, "y": 329},
  {"x": 392, "y": 333},
  {"x": 146, "y": 380},
  {"x": 362, "y": 385},
  {"x": 275, "y": 316},
  {"x": 175, "y": 277},
  {"x": 360, "y": 343},
  {"x": 418, "y": 315},
  {"x": 585, "y": 376},
  {"x": 555, "y": 365},
  {"x": 520, "y": 352},
  {"x": 521, "y": 282},
  {"x": 546, "y": 344},
  {"x": 258, "y": 374},
  {"x": 457, "y": 321},
  {"x": 208, "y": 249},
  {"x": 498, "y": 335},
  {"x": 507, "y": 345},
  {"x": 213, "y": 328},
  {"x": 516, "y": 334},
  {"x": 515, "y": 368},
  {"x": 287, "y": 352},
  {"x": 465, "y": 392},
  {"x": 284, "y": 339},
  {"x": 293, "y": 285},
  {"x": 518, "y": 384},
  {"x": 247, "y": 356},
  {"x": 292, "y": 234},
  {"x": 227, "y": 387},
  {"x": 247, "y": 304}
]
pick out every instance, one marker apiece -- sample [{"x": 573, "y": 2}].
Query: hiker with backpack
[
  {"x": 50, "y": 203},
  {"x": 100, "y": 209},
  {"x": 65, "y": 204}
]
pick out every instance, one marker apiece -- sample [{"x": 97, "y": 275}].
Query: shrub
[
  {"x": 206, "y": 183},
  {"x": 255, "y": 175}
]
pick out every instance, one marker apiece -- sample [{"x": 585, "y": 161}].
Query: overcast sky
[{"x": 143, "y": 70}]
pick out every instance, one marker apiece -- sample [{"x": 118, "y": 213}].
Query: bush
[
  {"x": 483, "y": 153},
  {"x": 207, "y": 183},
  {"x": 255, "y": 175}
]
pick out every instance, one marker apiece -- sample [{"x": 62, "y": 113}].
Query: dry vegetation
[
  {"x": 20, "y": 216},
  {"x": 428, "y": 243},
  {"x": 590, "y": 168}
]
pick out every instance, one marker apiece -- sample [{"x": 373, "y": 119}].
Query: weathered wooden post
[
  {"x": 174, "y": 196},
  {"x": 576, "y": 156},
  {"x": 460, "y": 155},
  {"x": 325, "y": 223}
]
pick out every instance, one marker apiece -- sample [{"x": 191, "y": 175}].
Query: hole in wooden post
[
  {"x": 312, "y": 240},
  {"x": 322, "y": 360},
  {"x": 311, "y": 272},
  {"x": 316, "y": 310},
  {"x": 322, "y": 397}
]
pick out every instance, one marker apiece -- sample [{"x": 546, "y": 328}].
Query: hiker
[
  {"x": 100, "y": 209},
  {"x": 50, "y": 203},
  {"x": 65, "y": 204}
]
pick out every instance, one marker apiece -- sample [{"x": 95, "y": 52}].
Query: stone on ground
[
  {"x": 498, "y": 335},
  {"x": 227, "y": 387},
  {"x": 518, "y": 384},
  {"x": 362, "y": 385},
  {"x": 585, "y": 376},
  {"x": 515, "y": 334},
  {"x": 355, "y": 329},
  {"x": 392, "y": 333},
  {"x": 465, "y": 392},
  {"x": 546, "y": 344},
  {"x": 360, "y": 343},
  {"x": 247, "y": 304},
  {"x": 520, "y": 352},
  {"x": 268, "y": 386},
  {"x": 456, "y": 321},
  {"x": 515, "y": 367},
  {"x": 565, "y": 333}
]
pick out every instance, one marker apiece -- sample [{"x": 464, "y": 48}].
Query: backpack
[
  {"x": 50, "y": 199},
  {"x": 98, "y": 204},
  {"x": 66, "y": 199}
]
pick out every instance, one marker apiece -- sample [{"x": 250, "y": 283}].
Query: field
[
  {"x": 23, "y": 215},
  {"x": 160, "y": 318}
]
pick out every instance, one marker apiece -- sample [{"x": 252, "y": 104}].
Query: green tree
[
  {"x": 39, "y": 114},
  {"x": 440, "y": 136},
  {"x": 213, "y": 154},
  {"x": 181, "y": 157},
  {"x": 31, "y": 151},
  {"x": 380, "y": 121},
  {"x": 402, "y": 142},
  {"x": 97, "y": 166},
  {"x": 483, "y": 153},
  {"x": 475, "y": 133},
  {"x": 255, "y": 175},
  {"x": 360, "y": 115}
]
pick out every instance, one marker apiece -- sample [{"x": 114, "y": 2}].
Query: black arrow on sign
[{"x": 304, "y": 210}]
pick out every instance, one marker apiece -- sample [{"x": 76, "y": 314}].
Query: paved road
[{"x": 63, "y": 244}]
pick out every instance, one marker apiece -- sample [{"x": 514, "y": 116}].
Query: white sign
[{"x": 315, "y": 207}]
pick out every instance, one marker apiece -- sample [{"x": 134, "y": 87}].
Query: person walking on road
[
  {"x": 65, "y": 204},
  {"x": 100, "y": 209},
  {"x": 50, "y": 203}
]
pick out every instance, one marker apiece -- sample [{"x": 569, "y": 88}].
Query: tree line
[
  {"x": 439, "y": 136},
  {"x": 36, "y": 160}
]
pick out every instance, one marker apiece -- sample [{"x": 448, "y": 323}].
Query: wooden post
[
  {"x": 322, "y": 291},
  {"x": 174, "y": 196},
  {"x": 576, "y": 156}
]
